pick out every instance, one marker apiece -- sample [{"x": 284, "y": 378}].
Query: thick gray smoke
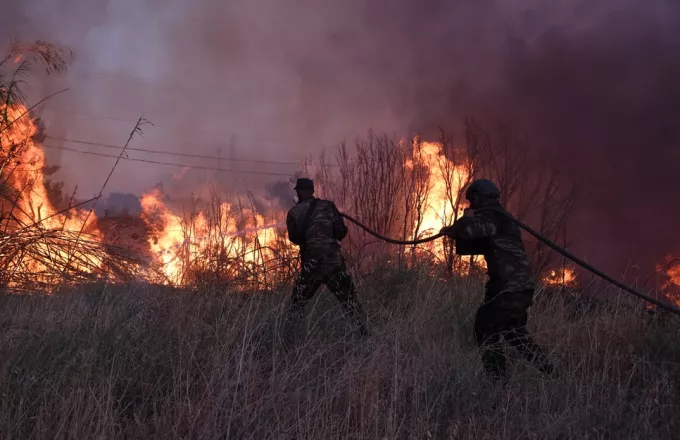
[{"x": 276, "y": 80}]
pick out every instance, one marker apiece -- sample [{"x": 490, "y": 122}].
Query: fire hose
[
  {"x": 388, "y": 239},
  {"x": 543, "y": 239}
]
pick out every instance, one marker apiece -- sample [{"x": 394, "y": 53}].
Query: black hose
[
  {"x": 542, "y": 238},
  {"x": 587, "y": 266},
  {"x": 391, "y": 240}
]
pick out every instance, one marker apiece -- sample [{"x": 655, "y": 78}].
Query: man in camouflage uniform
[
  {"x": 317, "y": 227},
  {"x": 510, "y": 289}
]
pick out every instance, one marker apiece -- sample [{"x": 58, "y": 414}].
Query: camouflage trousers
[
  {"x": 504, "y": 318},
  {"x": 337, "y": 280}
]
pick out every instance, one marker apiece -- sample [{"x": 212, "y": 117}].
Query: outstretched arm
[
  {"x": 291, "y": 225},
  {"x": 472, "y": 227}
]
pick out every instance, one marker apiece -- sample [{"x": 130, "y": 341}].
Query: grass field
[{"x": 149, "y": 362}]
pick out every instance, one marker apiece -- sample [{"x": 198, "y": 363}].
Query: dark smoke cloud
[
  {"x": 597, "y": 78},
  {"x": 609, "y": 94}
]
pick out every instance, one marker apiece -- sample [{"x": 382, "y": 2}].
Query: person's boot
[
  {"x": 291, "y": 321},
  {"x": 541, "y": 362},
  {"x": 495, "y": 366},
  {"x": 548, "y": 369},
  {"x": 362, "y": 331},
  {"x": 355, "y": 312}
]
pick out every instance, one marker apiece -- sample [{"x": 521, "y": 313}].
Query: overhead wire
[
  {"x": 172, "y": 127},
  {"x": 156, "y": 162},
  {"x": 170, "y": 153}
]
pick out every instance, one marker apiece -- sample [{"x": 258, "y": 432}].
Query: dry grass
[{"x": 148, "y": 362}]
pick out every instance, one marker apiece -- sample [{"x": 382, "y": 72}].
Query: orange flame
[
  {"x": 440, "y": 209},
  {"x": 564, "y": 277},
  {"x": 226, "y": 237},
  {"x": 442, "y": 204},
  {"x": 671, "y": 286},
  {"x": 180, "y": 243},
  {"x": 673, "y": 273},
  {"x": 22, "y": 169}
]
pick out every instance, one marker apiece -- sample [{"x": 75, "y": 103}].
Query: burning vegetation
[
  {"x": 404, "y": 189},
  {"x": 216, "y": 241},
  {"x": 224, "y": 242},
  {"x": 565, "y": 277},
  {"x": 41, "y": 246},
  {"x": 413, "y": 190},
  {"x": 670, "y": 279}
]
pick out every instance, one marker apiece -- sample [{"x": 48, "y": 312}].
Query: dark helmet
[
  {"x": 304, "y": 184},
  {"x": 484, "y": 189}
]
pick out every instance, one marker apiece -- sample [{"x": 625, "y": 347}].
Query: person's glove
[{"x": 447, "y": 230}]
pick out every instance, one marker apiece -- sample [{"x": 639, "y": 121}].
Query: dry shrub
[{"x": 147, "y": 362}]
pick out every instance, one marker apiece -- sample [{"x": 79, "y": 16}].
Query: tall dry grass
[{"x": 148, "y": 362}]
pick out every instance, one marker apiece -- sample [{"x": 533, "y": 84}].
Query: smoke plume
[{"x": 595, "y": 82}]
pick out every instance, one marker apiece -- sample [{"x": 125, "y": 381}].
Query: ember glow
[
  {"x": 671, "y": 287},
  {"x": 673, "y": 273},
  {"x": 565, "y": 277}
]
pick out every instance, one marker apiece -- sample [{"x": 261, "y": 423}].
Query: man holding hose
[
  {"x": 510, "y": 289},
  {"x": 317, "y": 227}
]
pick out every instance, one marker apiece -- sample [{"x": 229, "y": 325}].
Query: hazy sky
[{"x": 278, "y": 79}]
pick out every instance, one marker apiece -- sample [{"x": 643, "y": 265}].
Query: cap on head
[
  {"x": 304, "y": 184},
  {"x": 482, "y": 189}
]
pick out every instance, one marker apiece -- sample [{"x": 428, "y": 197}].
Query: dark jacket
[
  {"x": 326, "y": 228},
  {"x": 501, "y": 241}
]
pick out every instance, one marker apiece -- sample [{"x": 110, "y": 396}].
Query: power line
[
  {"x": 169, "y": 153},
  {"x": 197, "y": 167},
  {"x": 169, "y": 126}
]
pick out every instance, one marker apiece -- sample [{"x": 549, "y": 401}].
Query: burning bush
[
  {"x": 404, "y": 189},
  {"x": 41, "y": 247},
  {"x": 222, "y": 243}
]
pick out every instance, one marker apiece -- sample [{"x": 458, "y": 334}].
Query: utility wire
[
  {"x": 169, "y": 153},
  {"x": 171, "y": 127},
  {"x": 197, "y": 167}
]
